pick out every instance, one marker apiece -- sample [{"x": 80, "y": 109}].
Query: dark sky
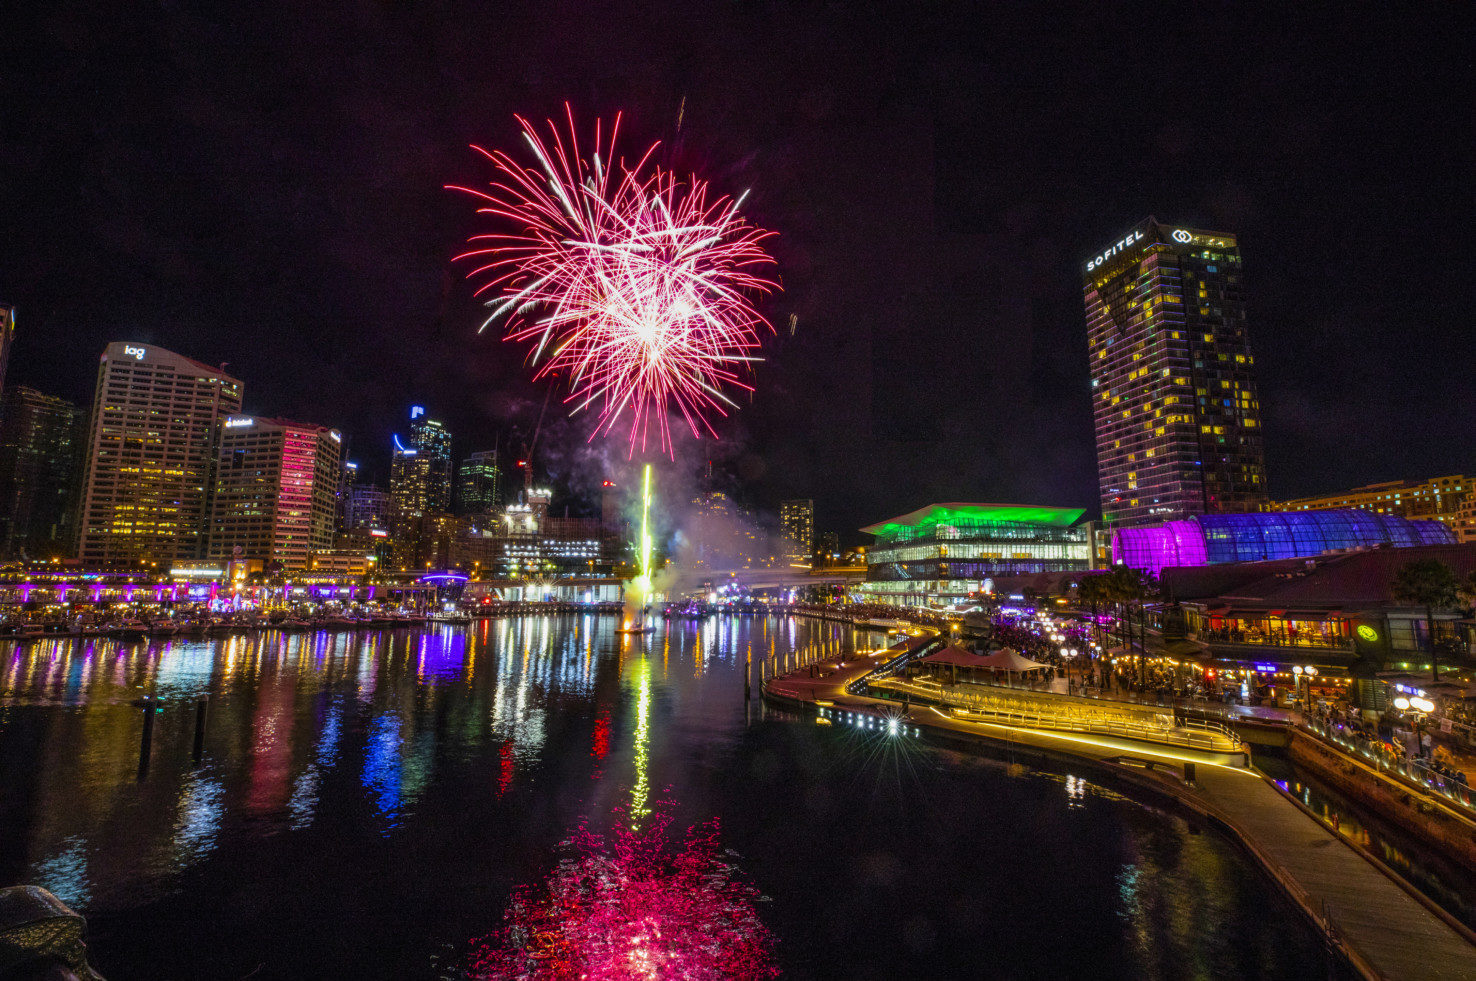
[{"x": 264, "y": 187}]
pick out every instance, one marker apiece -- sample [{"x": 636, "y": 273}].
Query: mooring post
[
  {"x": 146, "y": 744},
  {"x": 200, "y": 704}
]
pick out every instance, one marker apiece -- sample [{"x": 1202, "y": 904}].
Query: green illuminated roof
[{"x": 965, "y": 514}]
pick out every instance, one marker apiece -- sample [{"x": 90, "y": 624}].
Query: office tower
[
  {"x": 420, "y": 472},
  {"x": 368, "y": 507},
  {"x": 41, "y": 441},
  {"x": 798, "y": 519},
  {"x": 156, "y": 422},
  {"x": 479, "y": 484},
  {"x": 7, "y": 337},
  {"x": 347, "y": 479},
  {"x": 1178, "y": 421},
  {"x": 276, "y": 491}
]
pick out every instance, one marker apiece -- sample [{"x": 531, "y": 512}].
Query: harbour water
[{"x": 367, "y": 804}]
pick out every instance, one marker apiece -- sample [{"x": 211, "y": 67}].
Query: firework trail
[{"x": 637, "y": 286}]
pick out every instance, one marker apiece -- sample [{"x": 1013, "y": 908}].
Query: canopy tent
[
  {"x": 957, "y": 657},
  {"x": 1008, "y": 659}
]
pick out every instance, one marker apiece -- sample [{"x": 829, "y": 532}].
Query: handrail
[{"x": 1080, "y": 719}]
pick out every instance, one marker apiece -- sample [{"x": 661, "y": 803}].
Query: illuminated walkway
[{"x": 1383, "y": 929}]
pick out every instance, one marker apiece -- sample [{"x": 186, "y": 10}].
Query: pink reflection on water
[{"x": 627, "y": 904}]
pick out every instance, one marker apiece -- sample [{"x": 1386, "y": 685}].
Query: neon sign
[
  {"x": 136, "y": 353},
  {"x": 1112, "y": 250},
  {"x": 1182, "y": 237},
  {"x": 1365, "y": 632},
  {"x": 238, "y": 422},
  {"x": 416, "y": 411}
]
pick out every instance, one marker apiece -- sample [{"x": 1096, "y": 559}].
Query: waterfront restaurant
[
  {"x": 1330, "y": 610},
  {"x": 950, "y": 554}
]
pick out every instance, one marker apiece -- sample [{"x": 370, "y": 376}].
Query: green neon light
[
  {"x": 1367, "y": 633},
  {"x": 970, "y": 514}
]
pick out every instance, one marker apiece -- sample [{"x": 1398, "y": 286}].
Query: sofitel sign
[{"x": 1112, "y": 250}]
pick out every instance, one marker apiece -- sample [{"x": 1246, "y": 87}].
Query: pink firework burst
[{"x": 636, "y": 285}]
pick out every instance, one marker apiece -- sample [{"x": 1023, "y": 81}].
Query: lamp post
[{"x": 1417, "y": 708}]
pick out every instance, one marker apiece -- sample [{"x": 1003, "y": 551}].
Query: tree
[
  {"x": 1431, "y": 585},
  {"x": 1094, "y": 590},
  {"x": 1130, "y": 587}
]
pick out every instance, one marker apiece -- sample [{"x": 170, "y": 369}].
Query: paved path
[{"x": 1387, "y": 927}]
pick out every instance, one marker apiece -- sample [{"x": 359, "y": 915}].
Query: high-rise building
[
  {"x": 276, "y": 491},
  {"x": 368, "y": 507},
  {"x": 156, "y": 422},
  {"x": 479, "y": 484},
  {"x": 1178, "y": 420},
  {"x": 41, "y": 441},
  {"x": 7, "y": 337},
  {"x": 420, "y": 474},
  {"x": 798, "y": 519}
]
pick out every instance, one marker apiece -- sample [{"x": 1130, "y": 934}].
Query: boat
[
  {"x": 161, "y": 630},
  {"x": 131, "y": 631}
]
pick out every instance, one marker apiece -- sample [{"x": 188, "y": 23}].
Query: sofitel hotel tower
[{"x": 1177, "y": 417}]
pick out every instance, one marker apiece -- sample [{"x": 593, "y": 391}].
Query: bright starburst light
[{"x": 635, "y": 284}]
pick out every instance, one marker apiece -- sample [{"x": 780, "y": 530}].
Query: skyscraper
[
  {"x": 41, "y": 442},
  {"x": 276, "y": 491},
  {"x": 156, "y": 422},
  {"x": 7, "y": 336},
  {"x": 367, "y": 508},
  {"x": 1178, "y": 421},
  {"x": 798, "y": 518},
  {"x": 420, "y": 472},
  {"x": 479, "y": 484}
]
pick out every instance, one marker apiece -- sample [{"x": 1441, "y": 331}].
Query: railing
[
  {"x": 1209, "y": 736},
  {"x": 1416, "y": 771}
]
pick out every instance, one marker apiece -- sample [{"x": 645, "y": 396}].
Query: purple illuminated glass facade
[{"x": 1211, "y": 539}]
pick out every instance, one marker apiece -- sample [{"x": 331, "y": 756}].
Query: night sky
[{"x": 264, "y": 187}]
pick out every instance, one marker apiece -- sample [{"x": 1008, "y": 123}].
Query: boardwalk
[{"x": 1387, "y": 929}]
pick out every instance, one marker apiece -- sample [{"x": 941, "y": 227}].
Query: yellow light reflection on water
[{"x": 640, "y": 793}]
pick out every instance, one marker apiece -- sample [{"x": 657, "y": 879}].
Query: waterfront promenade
[{"x": 1383, "y": 929}]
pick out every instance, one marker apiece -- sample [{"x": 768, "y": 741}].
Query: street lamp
[{"x": 1418, "y": 708}]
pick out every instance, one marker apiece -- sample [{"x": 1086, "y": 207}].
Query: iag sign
[
  {"x": 1112, "y": 250},
  {"x": 136, "y": 353}
]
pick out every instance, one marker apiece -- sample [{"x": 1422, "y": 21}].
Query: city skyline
[{"x": 984, "y": 236}]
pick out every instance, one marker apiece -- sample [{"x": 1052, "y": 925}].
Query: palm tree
[
  {"x": 1427, "y": 583},
  {"x": 1130, "y": 586}
]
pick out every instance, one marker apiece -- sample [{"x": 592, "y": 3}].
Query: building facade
[
  {"x": 479, "y": 484},
  {"x": 150, "y": 454},
  {"x": 276, "y": 491},
  {"x": 41, "y": 441},
  {"x": 1175, "y": 407},
  {"x": 367, "y": 507},
  {"x": 1215, "y": 539},
  {"x": 1445, "y": 499},
  {"x": 7, "y": 337},
  {"x": 949, "y": 553},
  {"x": 798, "y": 521}
]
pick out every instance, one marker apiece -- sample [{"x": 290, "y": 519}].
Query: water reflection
[
  {"x": 628, "y": 905},
  {"x": 419, "y": 775}
]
